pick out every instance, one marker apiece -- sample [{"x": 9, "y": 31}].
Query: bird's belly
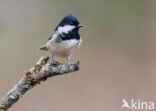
[{"x": 63, "y": 49}]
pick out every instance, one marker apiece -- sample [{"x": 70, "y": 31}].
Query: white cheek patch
[{"x": 65, "y": 29}]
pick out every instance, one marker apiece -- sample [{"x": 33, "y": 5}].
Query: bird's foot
[
  {"x": 51, "y": 62},
  {"x": 67, "y": 64}
]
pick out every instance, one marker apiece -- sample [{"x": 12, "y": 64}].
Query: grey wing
[
  {"x": 57, "y": 38},
  {"x": 51, "y": 35}
]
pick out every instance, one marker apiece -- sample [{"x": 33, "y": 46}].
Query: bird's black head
[
  {"x": 69, "y": 20},
  {"x": 68, "y": 28}
]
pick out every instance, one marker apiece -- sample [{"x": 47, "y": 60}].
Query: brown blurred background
[{"x": 117, "y": 56}]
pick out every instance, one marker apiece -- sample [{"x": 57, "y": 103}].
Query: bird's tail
[{"x": 43, "y": 48}]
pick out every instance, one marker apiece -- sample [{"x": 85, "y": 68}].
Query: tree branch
[{"x": 39, "y": 72}]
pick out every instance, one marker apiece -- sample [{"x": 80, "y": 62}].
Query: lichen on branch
[{"x": 35, "y": 75}]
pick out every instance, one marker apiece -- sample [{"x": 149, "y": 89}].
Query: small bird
[{"x": 64, "y": 39}]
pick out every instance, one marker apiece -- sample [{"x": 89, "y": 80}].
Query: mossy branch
[{"x": 39, "y": 72}]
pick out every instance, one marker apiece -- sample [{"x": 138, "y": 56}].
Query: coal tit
[{"x": 64, "y": 39}]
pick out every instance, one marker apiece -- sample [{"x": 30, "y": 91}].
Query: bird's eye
[{"x": 71, "y": 23}]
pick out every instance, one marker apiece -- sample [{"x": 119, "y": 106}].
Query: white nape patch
[{"x": 65, "y": 29}]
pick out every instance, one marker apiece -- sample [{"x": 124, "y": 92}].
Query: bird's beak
[{"x": 80, "y": 25}]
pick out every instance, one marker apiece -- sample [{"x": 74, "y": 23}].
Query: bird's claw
[{"x": 67, "y": 64}]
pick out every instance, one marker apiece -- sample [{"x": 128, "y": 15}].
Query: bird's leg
[
  {"x": 51, "y": 61},
  {"x": 68, "y": 61}
]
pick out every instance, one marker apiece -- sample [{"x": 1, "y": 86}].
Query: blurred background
[{"x": 117, "y": 56}]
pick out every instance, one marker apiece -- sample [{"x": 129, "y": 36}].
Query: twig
[{"x": 39, "y": 72}]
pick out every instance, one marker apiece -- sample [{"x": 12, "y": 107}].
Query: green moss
[
  {"x": 33, "y": 81},
  {"x": 29, "y": 74},
  {"x": 37, "y": 68},
  {"x": 56, "y": 63}
]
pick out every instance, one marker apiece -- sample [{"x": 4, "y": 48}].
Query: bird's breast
[{"x": 63, "y": 48}]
